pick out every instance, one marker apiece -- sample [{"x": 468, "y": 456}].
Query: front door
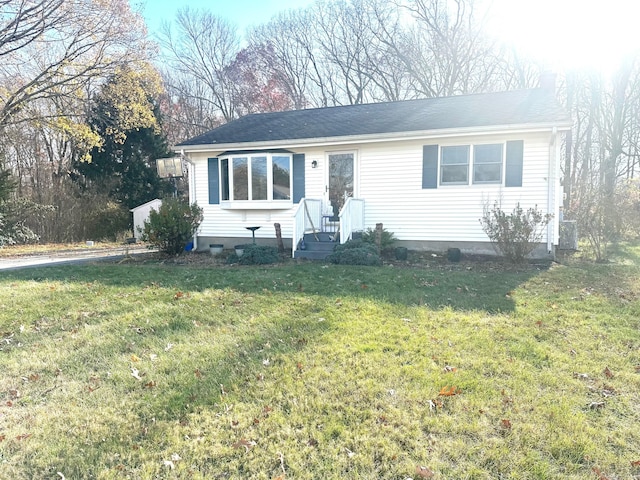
[{"x": 341, "y": 180}]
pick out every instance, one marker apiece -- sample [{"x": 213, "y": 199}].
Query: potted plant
[
  {"x": 240, "y": 249},
  {"x": 216, "y": 248}
]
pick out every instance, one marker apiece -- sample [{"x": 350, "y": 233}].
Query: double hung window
[{"x": 484, "y": 160}]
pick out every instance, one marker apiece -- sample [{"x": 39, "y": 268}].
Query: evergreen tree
[{"x": 126, "y": 115}]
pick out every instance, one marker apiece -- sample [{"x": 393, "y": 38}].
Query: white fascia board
[{"x": 378, "y": 137}]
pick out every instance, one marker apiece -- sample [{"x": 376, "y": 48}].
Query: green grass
[{"x": 311, "y": 371}]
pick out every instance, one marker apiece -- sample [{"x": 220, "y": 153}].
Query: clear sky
[
  {"x": 243, "y": 13},
  {"x": 562, "y": 33}
]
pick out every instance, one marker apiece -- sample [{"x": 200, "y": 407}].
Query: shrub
[
  {"x": 355, "y": 252},
  {"x": 387, "y": 239},
  {"x": 105, "y": 219},
  {"x": 171, "y": 228},
  {"x": 514, "y": 235},
  {"x": 256, "y": 255}
]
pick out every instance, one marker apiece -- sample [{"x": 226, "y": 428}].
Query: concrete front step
[
  {"x": 317, "y": 249},
  {"x": 312, "y": 255}
]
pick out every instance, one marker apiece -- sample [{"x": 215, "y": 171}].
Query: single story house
[{"x": 423, "y": 168}]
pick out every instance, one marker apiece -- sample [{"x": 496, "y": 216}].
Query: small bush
[
  {"x": 171, "y": 228},
  {"x": 514, "y": 235},
  {"x": 387, "y": 239},
  {"x": 355, "y": 252},
  {"x": 257, "y": 255}
]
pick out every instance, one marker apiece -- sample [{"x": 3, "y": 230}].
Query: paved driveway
[{"x": 62, "y": 258}]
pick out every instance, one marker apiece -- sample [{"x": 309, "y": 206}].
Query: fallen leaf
[
  {"x": 449, "y": 369},
  {"x": 598, "y": 472},
  {"x": 635, "y": 463},
  {"x": 168, "y": 347},
  {"x": 175, "y": 457},
  {"x": 312, "y": 442},
  {"x": 364, "y": 286},
  {"x": 300, "y": 367},
  {"x": 506, "y": 424},
  {"x": 178, "y": 295},
  {"x": 169, "y": 463},
  {"x": 135, "y": 373},
  {"x": 247, "y": 444},
  {"x": 34, "y": 377},
  {"x": 150, "y": 384},
  {"x": 596, "y": 405},
  {"x": 135, "y": 358},
  {"x": 581, "y": 376},
  {"x": 2, "y": 438},
  {"x": 608, "y": 373},
  {"x": 448, "y": 391},
  {"x": 14, "y": 394},
  {"x": 424, "y": 472},
  {"x": 350, "y": 454},
  {"x": 24, "y": 436},
  {"x": 197, "y": 373},
  {"x": 265, "y": 362},
  {"x": 9, "y": 403}
]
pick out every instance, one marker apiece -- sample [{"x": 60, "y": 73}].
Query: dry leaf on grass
[
  {"x": 135, "y": 373},
  {"x": 247, "y": 444},
  {"x": 424, "y": 472},
  {"x": 449, "y": 391}
]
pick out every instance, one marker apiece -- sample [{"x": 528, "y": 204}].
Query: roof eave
[{"x": 379, "y": 137}]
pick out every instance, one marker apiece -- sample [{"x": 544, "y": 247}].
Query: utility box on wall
[
  {"x": 141, "y": 214},
  {"x": 568, "y": 235}
]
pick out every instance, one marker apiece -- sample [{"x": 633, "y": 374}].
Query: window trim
[
  {"x": 249, "y": 204},
  {"x": 467, "y": 164},
  {"x": 471, "y": 164},
  {"x": 502, "y": 159}
]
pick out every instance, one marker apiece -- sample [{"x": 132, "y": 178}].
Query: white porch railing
[
  {"x": 351, "y": 218},
  {"x": 307, "y": 213}
]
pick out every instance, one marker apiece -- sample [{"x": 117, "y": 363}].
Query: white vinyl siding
[{"x": 390, "y": 182}]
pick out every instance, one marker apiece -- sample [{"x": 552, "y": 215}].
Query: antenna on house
[{"x": 170, "y": 168}]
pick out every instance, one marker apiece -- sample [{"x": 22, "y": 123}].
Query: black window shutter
[
  {"x": 298, "y": 177},
  {"x": 430, "y": 166},
  {"x": 214, "y": 182},
  {"x": 513, "y": 169}
]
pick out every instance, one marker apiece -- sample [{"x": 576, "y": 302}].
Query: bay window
[{"x": 259, "y": 177}]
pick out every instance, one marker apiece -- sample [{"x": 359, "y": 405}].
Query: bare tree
[
  {"x": 51, "y": 48},
  {"x": 199, "y": 55}
]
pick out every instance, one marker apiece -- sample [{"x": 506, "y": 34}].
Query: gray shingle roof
[{"x": 518, "y": 107}]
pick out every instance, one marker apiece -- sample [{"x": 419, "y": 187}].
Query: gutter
[
  {"x": 377, "y": 137},
  {"x": 551, "y": 189},
  {"x": 192, "y": 186}
]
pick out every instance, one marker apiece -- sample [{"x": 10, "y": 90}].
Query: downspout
[
  {"x": 551, "y": 190},
  {"x": 192, "y": 188}
]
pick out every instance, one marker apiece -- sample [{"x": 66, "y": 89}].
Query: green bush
[
  {"x": 172, "y": 227},
  {"x": 256, "y": 255},
  {"x": 387, "y": 239},
  {"x": 514, "y": 234},
  {"x": 105, "y": 220},
  {"x": 355, "y": 252}
]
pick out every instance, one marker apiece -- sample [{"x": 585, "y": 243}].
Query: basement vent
[{"x": 568, "y": 235}]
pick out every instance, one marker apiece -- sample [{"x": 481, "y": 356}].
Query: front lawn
[{"x": 321, "y": 371}]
